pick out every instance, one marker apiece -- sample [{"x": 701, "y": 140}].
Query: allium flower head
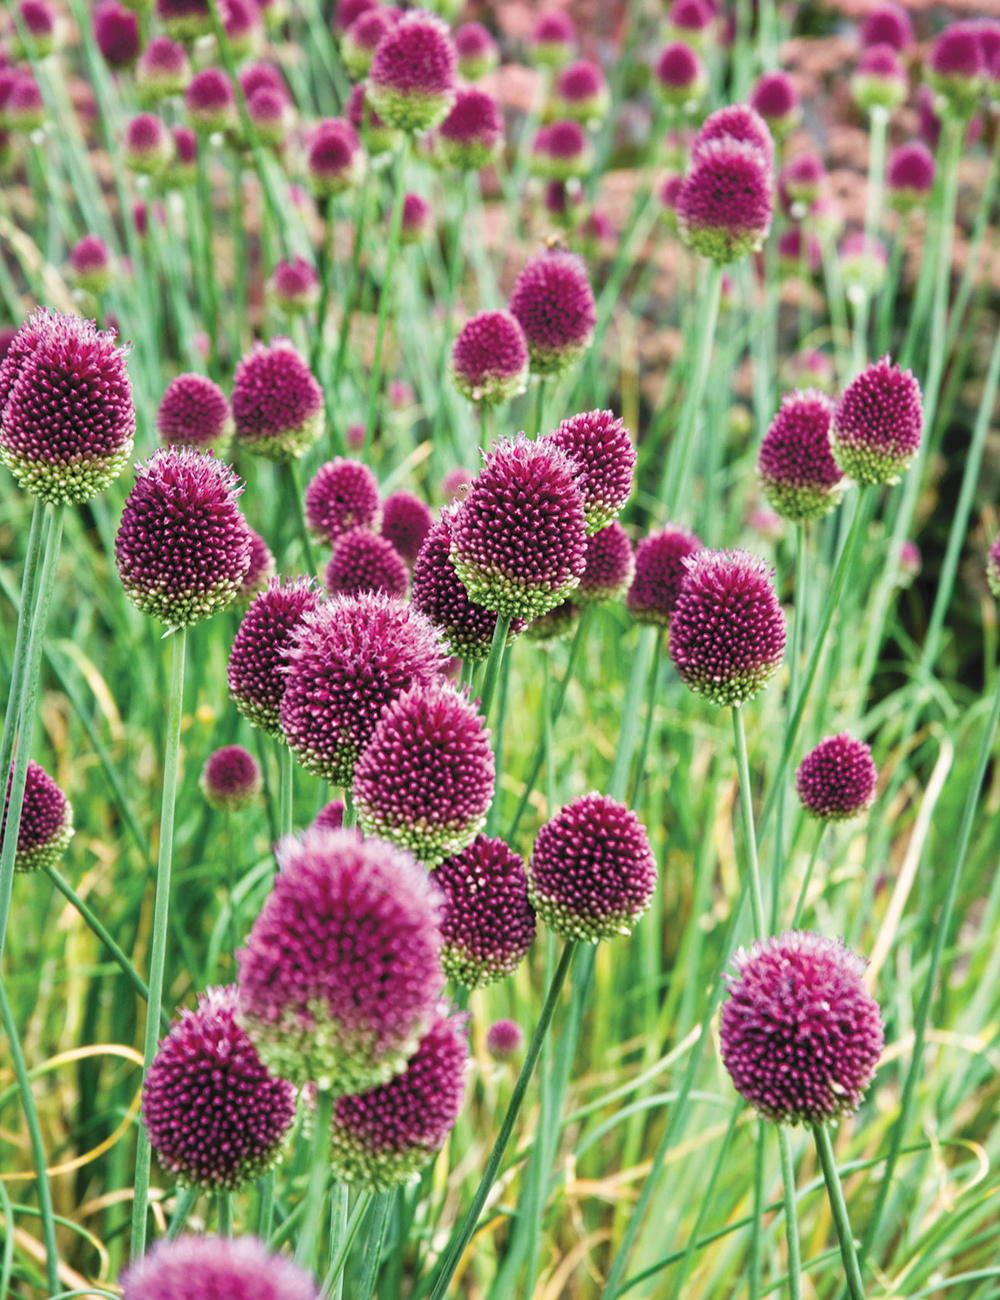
[
  {"x": 609, "y": 566},
  {"x": 727, "y": 629},
  {"x": 692, "y": 19},
  {"x": 553, "y": 38},
  {"x": 184, "y": 20},
  {"x": 294, "y": 286},
  {"x": 330, "y": 817},
  {"x": 215, "y": 1115},
  {"x": 561, "y": 151},
  {"x": 680, "y": 74},
  {"x": 406, "y": 521},
  {"x": 471, "y": 135},
  {"x": 90, "y": 265},
  {"x": 194, "y": 412},
  {"x": 277, "y": 403},
  {"x": 800, "y": 183},
  {"x": 478, "y": 52},
  {"x": 380, "y": 1139},
  {"x": 231, "y": 779},
  {"x": 659, "y": 572},
  {"x": 554, "y": 304},
  {"x": 488, "y": 923},
  {"x": 343, "y": 494},
  {"x": 346, "y": 11},
  {"x": 262, "y": 569},
  {"x": 877, "y": 424},
  {"x": 207, "y": 1268},
  {"x": 40, "y": 23},
  {"x": 335, "y": 161},
  {"x": 863, "y": 264},
  {"x": 46, "y": 820},
  {"x": 592, "y": 873},
  {"x": 148, "y": 145},
  {"x": 243, "y": 25},
  {"x": 209, "y": 103},
  {"x": 362, "y": 37},
  {"x": 418, "y": 219},
  {"x": 349, "y": 658},
  {"x": 24, "y": 107},
  {"x": 581, "y": 92},
  {"x": 269, "y": 111},
  {"x": 724, "y": 207},
  {"x": 909, "y": 177},
  {"x": 365, "y": 561},
  {"x": 116, "y": 32},
  {"x": 412, "y": 80},
  {"x": 255, "y": 674},
  {"x": 993, "y": 568},
  {"x": 67, "y": 421},
  {"x": 373, "y": 132},
  {"x": 775, "y": 97},
  {"x": 796, "y": 467},
  {"x": 504, "y": 1039},
  {"x": 800, "y": 1034},
  {"x": 489, "y": 361},
  {"x": 739, "y": 123},
  {"x": 340, "y": 976},
  {"x": 163, "y": 70},
  {"x": 887, "y": 23},
  {"x": 799, "y": 252},
  {"x": 879, "y": 80},
  {"x": 836, "y": 780},
  {"x": 956, "y": 69},
  {"x": 184, "y": 166},
  {"x": 603, "y": 452},
  {"x": 669, "y": 191}
]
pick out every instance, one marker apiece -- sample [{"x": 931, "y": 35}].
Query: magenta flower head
[
  {"x": 478, "y": 52},
  {"x": 255, "y": 674},
  {"x": 194, "y": 412},
  {"x": 243, "y": 25},
  {"x": 554, "y": 305},
  {"x": 40, "y": 23},
  {"x": 659, "y": 572},
  {"x": 46, "y": 821},
  {"x": 879, "y": 80},
  {"x": 163, "y": 70},
  {"x": 214, "y": 1114},
  {"x": 800, "y": 183},
  {"x": 183, "y": 547},
  {"x": 592, "y": 873},
  {"x": 488, "y": 924},
  {"x": 294, "y": 286},
  {"x": 504, "y": 1039},
  {"x": 489, "y": 361},
  {"x": 418, "y": 219},
  {"x": 90, "y": 266},
  {"x": 471, "y": 135},
  {"x": 836, "y": 780},
  {"x": 739, "y": 123},
  {"x": 799, "y": 252},
  {"x": 887, "y": 23},
  {"x": 800, "y": 1034},
  {"x": 148, "y": 145},
  {"x": 183, "y": 169},
  {"x": 277, "y": 403},
  {"x": 863, "y": 264},
  {"x": 692, "y": 20},
  {"x": 24, "y": 107},
  {"x": 231, "y": 779},
  {"x": 355, "y": 654},
  {"x": 184, "y": 20},
  {"x": 956, "y": 69},
  {"x": 209, "y": 103},
  {"x": 361, "y": 39},
  {"x": 413, "y": 76},
  {"x": 373, "y": 132},
  {"x": 909, "y": 176},
  {"x": 518, "y": 539},
  {"x": 727, "y": 629},
  {"x": 203, "y": 1268},
  {"x": 346, "y": 11},
  {"x": 993, "y": 568},
  {"x": 116, "y": 32},
  {"x": 406, "y": 521},
  {"x": 271, "y": 114},
  {"x": 561, "y": 151},
  {"x": 262, "y": 569},
  {"x": 603, "y": 452},
  {"x": 365, "y": 561},
  {"x": 796, "y": 467},
  {"x": 553, "y": 38},
  {"x": 775, "y": 97},
  {"x": 724, "y": 207},
  {"x": 343, "y": 494},
  {"x": 330, "y": 817},
  {"x": 670, "y": 188},
  {"x": 609, "y": 566},
  {"x": 877, "y": 423},
  {"x": 340, "y": 975},
  {"x": 681, "y": 78},
  {"x": 384, "y": 1137},
  {"x": 335, "y": 160},
  {"x": 67, "y": 421},
  {"x": 581, "y": 92}
]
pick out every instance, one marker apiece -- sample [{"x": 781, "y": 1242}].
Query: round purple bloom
[
  {"x": 163, "y": 70},
  {"x": 116, "y": 31},
  {"x": 231, "y": 779},
  {"x": 478, "y": 52},
  {"x": 340, "y": 976},
  {"x": 346, "y": 11},
  {"x": 877, "y": 424},
  {"x": 343, "y": 494},
  {"x": 406, "y": 521},
  {"x": 956, "y": 69},
  {"x": 90, "y": 266},
  {"x": 361, "y": 39},
  {"x": 800, "y": 1034},
  {"x": 262, "y": 569},
  {"x": 412, "y": 80},
  {"x": 887, "y": 23},
  {"x": 727, "y": 629},
  {"x": 581, "y": 92},
  {"x": 489, "y": 361},
  {"x": 554, "y": 304},
  {"x": 810, "y": 368},
  {"x": 691, "y": 19},
  {"x": 879, "y": 80},
  {"x": 561, "y": 151},
  {"x": 418, "y": 216},
  {"x": 209, "y": 101},
  {"x": 603, "y": 452},
  {"x": 680, "y": 74},
  {"x": 798, "y": 250},
  {"x": 659, "y": 573},
  {"x": 24, "y": 107},
  {"x": 863, "y": 264},
  {"x": 471, "y": 135},
  {"x": 592, "y": 873},
  {"x": 269, "y": 111},
  {"x": 263, "y": 76},
  {"x": 836, "y": 780},
  {"x": 184, "y": 20},
  {"x": 796, "y": 467},
  {"x": 330, "y": 817},
  {"x": 365, "y": 561},
  {"x": 553, "y": 38},
  {"x": 294, "y": 285},
  {"x": 800, "y": 182},
  {"x": 148, "y": 145},
  {"x": 775, "y": 97},
  {"x": 40, "y": 23},
  {"x": 739, "y": 123},
  {"x": 255, "y": 674},
  {"x": 909, "y": 177},
  {"x": 242, "y": 22},
  {"x": 609, "y": 566},
  {"x": 277, "y": 403},
  {"x": 335, "y": 161},
  {"x": 183, "y": 169},
  {"x": 46, "y": 820},
  {"x": 669, "y": 191},
  {"x": 194, "y": 412},
  {"x": 724, "y": 207},
  {"x": 207, "y": 1268},
  {"x": 504, "y": 1039}
]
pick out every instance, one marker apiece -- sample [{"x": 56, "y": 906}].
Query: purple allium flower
[
  {"x": 209, "y": 102},
  {"x": 836, "y": 780},
  {"x": 887, "y": 23},
  {"x": 148, "y": 145},
  {"x": 488, "y": 924},
  {"x": 413, "y": 76},
  {"x": 262, "y": 569},
  {"x": 810, "y": 368},
  {"x": 294, "y": 285},
  {"x": 554, "y": 305},
  {"x": 116, "y": 32},
  {"x": 796, "y": 467},
  {"x": 183, "y": 547},
  {"x": 183, "y": 169},
  {"x": 581, "y": 92},
  {"x": 800, "y": 1034},
  {"x": 24, "y": 107},
  {"x": 504, "y": 1039},
  {"x": 263, "y": 76},
  {"x": 659, "y": 572},
  {"x": 478, "y": 52},
  {"x": 680, "y": 74},
  {"x": 243, "y": 25},
  {"x": 90, "y": 266},
  {"x": 555, "y": 624},
  {"x": 373, "y": 132},
  {"x": 277, "y": 403},
  {"x": 383, "y": 1137},
  {"x": 8, "y": 333},
  {"x": 343, "y": 494},
  {"x": 519, "y": 537},
  {"x": 565, "y": 201},
  {"x": 775, "y": 97},
  {"x": 724, "y": 207},
  {"x": 670, "y": 188},
  {"x": 215, "y": 1115},
  {"x": 346, "y": 11},
  {"x": 489, "y": 361},
  {"x": 735, "y": 122},
  {"x": 163, "y": 70},
  {"x": 67, "y": 421},
  {"x": 365, "y": 561},
  {"x": 879, "y": 80},
  {"x": 727, "y": 629},
  {"x": 330, "y": 817},
  {"x": 956, "y": 69},
  {"x": 231, "y": 779},
  {"x": 255, "y": 674},
  {"x": 184, "y": 20},
  {"x": 194, "y": 412},
  {"x": 799, "y": 250},
  {"x": 40, "y": 23},
  {"x": 603, "y": 452},
  {"x": 592, "y": 873},
  {"x": 553, "y": 38},
  {"x": 349, "y": 658},
  {"x": 609, "y": 566},
  {"x": 561, "y": 151},
  {"x": 863, "y": 264},
  {"x": 269, "y": 111},
  {"x": 340, "y": 975},
  {"x": 800, "y": 183},
  {"x": 361, "y": 39},
  {"x": 691, "y": 19},
  {"x": 335, "y": 160},
  {"x": 206, "y": 1268},
  {"x": 471, "y": 135},
  {"x": 877, "y": 424},
  {"x": 910, "y": 563},
  {"x": 406, "y": 521},
  {"x": 418, "y": 217},
  {"x": 909, "y": 177},
  {"x": 46, "y": 820}
]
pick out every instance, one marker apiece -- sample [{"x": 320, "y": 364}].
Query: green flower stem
[
  {"x": 295, "y": 487},
  {"x": 395, "y": 226},
  {"x": 324, "y": 266},
  {"x": 707, "y": 1200},
  {"x": 350, "y": 811},
  {"x": 225, "y": 1214},
  {"x": 37, "y": 1145},
  {"x": 539, "y": 406},
  {"x": 29, "y": 706},
  {"x": 319, "y": 1169},
  {"x": 373, "y": 1247},
  {"x": 451, "y": 288},
  {"x": 483, "y": 436},
  {"x": 647, "y": 730},
  {"x": 204, "y": 190},
  {"x": 336, "y": 1268},
  {"x": 838, "y": 1207},
  {"x": 339, "y": 1202},
  {"x": 158, "y": 952},
  {"x": 548, "y": 739},
  {"x": 795, "y": 655},
  {"x": 286, "y": 788},
  {"x": 887, "y": 299},
  {"x": 791, "y": 1214},
  {"x": 631, "y": 708},
  {"x": 265, "y": 1212},
  {"x": 971, "y": 269},
  {"x": 498, "y": 729},
  {"x": 873, "y": 219},
  {"x": 185, "y": 1204},
  {"x": 837, "y": 306},
  {"x": 239, "y": 238},
  {"x": 353, "y": 284},
  {"x": 493, "y": 664},
  {"x": 7, "y": 1267},
  {"x": 806, "y": 879}
]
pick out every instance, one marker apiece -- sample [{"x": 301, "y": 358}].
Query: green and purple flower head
[
  {"x": 195, "y": 412},
  {"x": 800, "y": 478},
  {"x": 554, "y": 305},
  {"x": 277, "y": 403},
  {"x": 659, "y": 572},
  {"x": 471, "y": 136},
  {"x": 231, "y": 779},
  {"x": 600, "y": 446},
  {"x": 46, "y": 821},
  {"x": 837, "y": 779},
  {"x": 609, "y": 566},
  {"x": 877, "y": 423},
  {"x": 255, "y": 674},
  {"x": 343, "y": 494},
  {"x": 207, "y": 1268},
  {"x": 413, "y": 78},
  {"x": 406, "y": 521},
  {"x": 365, "y": 561},
  {"x": 489, "y": 360}
]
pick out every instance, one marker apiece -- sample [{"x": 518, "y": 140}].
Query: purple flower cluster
[
  {"x": 800, "y": 478},
  {"x": 554, "y": 305},
  {"x": 365, "y": 561},
  {"x": 472, "y": 133},
  {"x": 231, "y": 779},
  {"x": 46, "y": 821},
  {"x": 207, "y": 1268},
  {"x": 836, "y": 780},
  {"x": 255, "y": 674},
  {"x": 609, "y": 566},
  {"x": 602, "y": 450},
  {"x": 489, "y": 361},
  {"x": 277, "y": 403},
  {"x": 412, "y": 81},
  {"x": 406, "y": 521},
  {"x": 659, "y": 572},
  {"x": 343, "y": 494},
  {"x": 877, "y": 424},
  {"x": 194, "y": 412}
]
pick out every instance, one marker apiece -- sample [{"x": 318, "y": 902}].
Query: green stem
[
  {"x": 547, "y": 736},
  {"x": 873, "y": 217},
  {"x": 319, "y": 1169},
  {"x": 757, "y": 1218},
  {"x": 795, "y": 655},
  {"x": 539, "y": 406},
  {"x": 292, "y": 471},
  {"x": 395, "y": 225},
  {"x": 339, "y": 1202},
  {"x": 324, "y": 207},
  {"x": 346, "y": 1241},
  {"x": 265, "y": 1213},
  {"x": 498, "y": 730},
  {"x": 791, "y": 1215},
  {"x": 286, "y": 789},
  {"x": 806, "y": 879},
  {"x": 746, "y": 810},
  {"x": 350, "y": 811},
  {"x": 351, "y": 292},
  {"x": 185, "y": 1204},
  {"x": 838, "y": 1207},
  {"x": 837, "y": 306},
  {"x": 707, "y": 1200},
  {"x": 454, "y": 275},
  {"x": 225, "y": 1214},
  {"x": 483, "y": 435},
  {"x": 492, "y": 670},
  {"x": 239, "y": 238},
  {"x": 970, "y": 271},
  {"x": 628, "y": 733},
  {"x": 887, "y": 299},
  {"x": 373, "y": 1247},
  {"x": 647, "y": 730},
  {"x": 208, "y": 271},
  {"x": 161, "y": 907}
]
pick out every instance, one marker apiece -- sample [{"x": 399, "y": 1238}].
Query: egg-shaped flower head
[
  {"x": 183, "y": 546},
  {"x": 739, "y": 123},
  {"x": 519, "y": 537},
  {"x": 796, "y": 466},
  {"x": 417, "y": 219},
  {"x": 800, "y": 1034},
  {"x": 879, "y": 80},
  {"x": 561, "y": 151},
  {"x": 163, "y": 70},
  {"x": 488, "y": 923},
  {"x": 775, "y": 97},
  {"x": 836, "y": 780},
  {"x": 478, "y": 52},
  {"x": 209, "y": 102},
  {"x": 956, "y": 69},
  {"x": 489, "y": 359},
  {"x": 255, "y": 674},
  {"x": 425, "y": 780},
  {"x": 471, "y": 135},
  {"x": 330, "y": 817},
  {"x": 364, "y": 561},
  {"x": 40, "y": 26},
  {"x": 887, "y": 23},
  {"x": 601, "y": 448},
  {"x": 294, "y": 286},
  {"x": 724, "y": 207},
  {"x": 90, "y": 265},
  {"x": 799, "y": 183},
  {"x": 909, "y": 176},
  {"x": 184, "y": 167},
  {"x": 343, "y": 494},
  {"x": 413, "y": 78},
  {"x": 609, "y": 566},
  {"x": 67, "y": 419},
  {"x": 346, "y": 11},
  {"x": 262, "y": 569},
  {"x": 660, "y": 570},
  {"x": 23, "y": 105},
  {"x": 148, "y": 145},
  {"x": 271, "y": 115},
  {"x": 348, "y": 658},
  {"x": 116, "y": 34},
  {"x": 361, "y": 39},
  {"x": 381, "y": 1138},
  {"x": 581, "y": 92},
  {"x": 184, "y": 20},
  {"x": 335, "y": 161},
  {"x": 504, "y": 1039},
  {"x": 340, "y": 975},
  {"x": 195, "y": 412},
  {"x": 231, "y": 779},
  {"x": 727, "y": 629},
  {"x": 206, "y": 1268},
  {"x": 554, "y": 304},
  {"x": 46, "y": 821},
  {"x": 592, "y": 873},
  {"x": 214, "y": 1113},
  {"x": 406, "y": 521},
  {"x": 277, "y": 403},
  {"x": 556, "y": 624},
  {"x": 877, "y": 422},
  {"x": 553, "y": 38},
  {"x": 681, "y": 78}
]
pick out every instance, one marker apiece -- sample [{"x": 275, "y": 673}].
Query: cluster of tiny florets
[
  {"x": 343, "y": 494},
  {"x": 836, "y": 780},
  {"x": 504, "y": 1039},
  {"x": 406, "y": 521},
  {"x": 277, "y": 403},
  {"x": 724, "y": 207},
  {"x": 263, "y": 567},
  {"x": 472, "y": 133},
  {"x": 194, "y": 412},
  {"x": 365, "y": 561},
  {"x": 660, "y": 570},
  {"x": 600, "y": 446},
  {"x": 46, "y": 825},
  {"x": 231, "y": 779},
  {"x": 877, "y": 423},
  {"x": 796, "y": 466},
  {"x": 554, "y": 305},
  {"x": 412, "y": 81},
  {"x": 255, "y": 674},
  {"x": 208, "y": 1268},
  {"x": 609, "y": 566},
  {"x": 489, "y": 360}
]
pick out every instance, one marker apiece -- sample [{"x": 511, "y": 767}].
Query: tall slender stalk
[
  {"x": 373, "y": 1247},
  {"x": 451, "y": 287},
  {"x": 324, "y": 207},
  {"x": 395, "y": 226},
  {"x": 838, "y": 1207},
  {"x": 208, "y": 271},
  {"x": 351, "y": 291},
  {"x": 285, "y": 798},
  {"x": 185, "y": 1204},
  {"x": 791, "y": 698},
  {"x": 803, "y": 892},
  {"x": 225, "y": 1214},
  {"x": 336, "y": 1269},
  {"x": 493, "y": 664},
  {"x": 873, "y": 217},
  {"x": 319, "y": 1170},
  {"x": 647, "y": 728},
  {"x": 298, "y": 504}
]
